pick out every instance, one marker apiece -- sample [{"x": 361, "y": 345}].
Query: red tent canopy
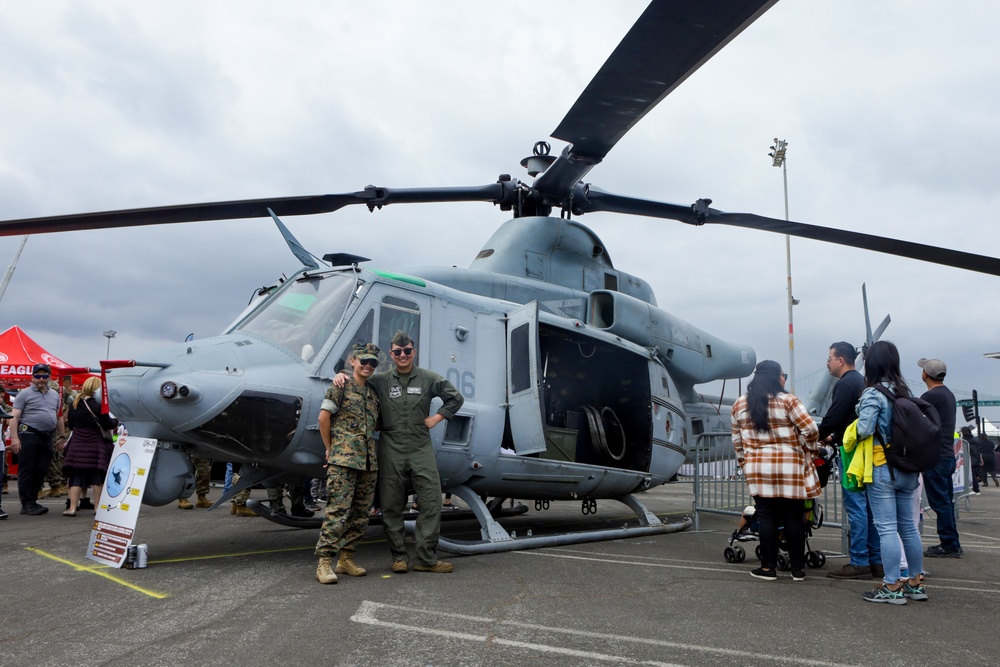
[{"x": 19, "y": 353}]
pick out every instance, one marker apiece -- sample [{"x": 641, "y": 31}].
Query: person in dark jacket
[
  {"x": 865, "y": 552},
  {"x": 88, "y": 454},
  {"x": 975, "y": 458},
  {"x": 938, "y": 483},
  {"x": 987, "y": 450}
]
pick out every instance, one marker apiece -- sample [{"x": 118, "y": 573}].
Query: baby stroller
[
  {"x": 748, "y": 531},
  {"x": 748, "y": 528}
]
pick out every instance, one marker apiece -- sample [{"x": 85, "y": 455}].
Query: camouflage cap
[{"x": 365, "y": 351}]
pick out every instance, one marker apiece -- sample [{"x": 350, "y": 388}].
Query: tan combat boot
[
  {"x": 324, "y": 571},
  {"x": 56, "y": 491},
  {"x": 184, "y": 504},
  {"x": 203, "y": 502},
  {"x": 242, "y": 510},
  {"x": 346, "y": 565}
]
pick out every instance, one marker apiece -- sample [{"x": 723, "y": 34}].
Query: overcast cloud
[{"x": 889, "y": 108}]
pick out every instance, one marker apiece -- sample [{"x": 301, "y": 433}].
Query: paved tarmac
[{"x": 222, "y": 590}]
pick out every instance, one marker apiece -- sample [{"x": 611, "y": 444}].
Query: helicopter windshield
[{"x": 304, "y": 314}]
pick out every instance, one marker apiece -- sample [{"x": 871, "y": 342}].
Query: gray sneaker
[
  {"x": 914, "y": 592},
  {"x": 938, "y": 551},
  {"x": 882, "y": 593}
]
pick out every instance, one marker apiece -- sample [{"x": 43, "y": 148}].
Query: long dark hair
[
  {"x": 766, "y": 383},
  {"x": 882, "y": 365}
]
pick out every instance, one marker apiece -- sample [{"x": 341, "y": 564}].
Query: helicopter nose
[{"x": 200, "y": 395}]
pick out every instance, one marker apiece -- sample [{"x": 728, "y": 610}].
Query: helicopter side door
[{"x": 524, "y": 399}]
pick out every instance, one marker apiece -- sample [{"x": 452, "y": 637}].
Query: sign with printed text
[{"x": 121, "y": 498}]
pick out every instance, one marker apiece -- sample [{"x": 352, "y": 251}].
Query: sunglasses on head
[
  {"x": 40, "y": 377},
  {"x": 402, "y": 351},
  {"x": 369, "y": 362}
]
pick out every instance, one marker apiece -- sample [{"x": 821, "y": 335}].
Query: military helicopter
[{"x": 578, "y": 387}]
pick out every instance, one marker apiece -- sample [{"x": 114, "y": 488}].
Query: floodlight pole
[
  {"x": 109, "y": 334},
  {"x": 777, "y": 156}
]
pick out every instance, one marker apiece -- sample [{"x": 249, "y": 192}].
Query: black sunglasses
[
  {"x": 40, "y": 377},
  {"x": 402, "y": 351},
  {"x": 369, "y": 362}
]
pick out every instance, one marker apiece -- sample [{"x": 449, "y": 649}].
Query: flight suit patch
[
  {"x": 395, "y": 391},
  {"x": 413, "y": 390}
]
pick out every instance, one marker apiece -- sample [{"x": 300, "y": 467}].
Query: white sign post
[{"x": 118, "y": 512}]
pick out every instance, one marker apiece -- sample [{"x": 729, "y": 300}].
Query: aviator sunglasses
[
  {"x": 402, "y": 351},
  {"x": 369, "y": 362}
]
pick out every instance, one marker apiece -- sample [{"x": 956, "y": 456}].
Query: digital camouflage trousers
[{"x": 350, "y": 494}]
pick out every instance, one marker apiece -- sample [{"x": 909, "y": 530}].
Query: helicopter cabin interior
[{"x": 595, "y": 400}]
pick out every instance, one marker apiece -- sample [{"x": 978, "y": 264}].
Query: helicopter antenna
[{"x": 307, "y": 258}]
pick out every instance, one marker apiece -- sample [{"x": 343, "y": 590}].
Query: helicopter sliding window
[
  {"x": 398, "y": 315},
  {"x": 363, "y": 334},
  {"x": 520, "y": 360},
  {"x": 304, "y": 314}
]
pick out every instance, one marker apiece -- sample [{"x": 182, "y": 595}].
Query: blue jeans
[
  {"x": 940, "y": 492},
  {"x": 864, "y": 538},
  {"x": 891, "y": 503}
]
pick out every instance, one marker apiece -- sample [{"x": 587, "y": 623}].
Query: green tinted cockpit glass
[{"x": 304, "y": 313}]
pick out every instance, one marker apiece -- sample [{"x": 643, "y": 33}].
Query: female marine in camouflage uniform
[{"x": 347, "y": 423}]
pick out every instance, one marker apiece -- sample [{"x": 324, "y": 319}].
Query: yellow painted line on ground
[
  {"x": 99, "y": 571},
  {"x": 238, "y": 554}
]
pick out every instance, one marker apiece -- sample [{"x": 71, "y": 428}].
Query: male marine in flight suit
[{"x": 406, "y": 454}]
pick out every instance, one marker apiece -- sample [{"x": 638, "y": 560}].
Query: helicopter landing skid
[
  {"x": 496, "y": 539},
  {"x": 264, "y": 510}
]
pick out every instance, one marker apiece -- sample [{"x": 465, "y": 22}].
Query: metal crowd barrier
[{"x": 721, "y": 488}]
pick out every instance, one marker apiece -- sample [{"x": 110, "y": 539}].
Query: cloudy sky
[{"x": 890, "y": 111}]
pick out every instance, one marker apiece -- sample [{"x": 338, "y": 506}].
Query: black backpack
[{"x": 916, "y": 433}]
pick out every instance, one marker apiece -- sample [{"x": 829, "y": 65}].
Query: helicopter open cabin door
[{"x": 524, "y": 399}]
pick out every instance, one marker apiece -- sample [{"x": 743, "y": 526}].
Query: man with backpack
[{"x": 938, "y": 481}]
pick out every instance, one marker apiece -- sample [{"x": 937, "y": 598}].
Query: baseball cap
[
  {"x": 935, "y": 368},
  {"x": 41, "y": 368},
  {"x": 365, "y": 351}
]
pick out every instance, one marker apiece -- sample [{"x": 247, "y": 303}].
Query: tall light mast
[{"x": 13, "y": 265}]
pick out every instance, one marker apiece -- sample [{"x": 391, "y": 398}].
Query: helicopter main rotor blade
[
  {"x": 373, "y": 197},
  {"x": 667, "y": 44},
  {"x": 589, "y": 199}
]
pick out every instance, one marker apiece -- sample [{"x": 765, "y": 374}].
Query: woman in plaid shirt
[{"x": 775, "y": 440}]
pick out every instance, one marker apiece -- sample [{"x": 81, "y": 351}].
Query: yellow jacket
[{"x": 867, "y": 456}]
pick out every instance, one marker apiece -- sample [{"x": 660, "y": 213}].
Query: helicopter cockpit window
[
  {"x": 398, "y": 315},
  {"x": 304, "y": 314}
]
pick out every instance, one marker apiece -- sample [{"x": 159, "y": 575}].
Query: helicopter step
[
  {"x": 263, "y": 509},
  {"x": 496, "y": 539}
]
